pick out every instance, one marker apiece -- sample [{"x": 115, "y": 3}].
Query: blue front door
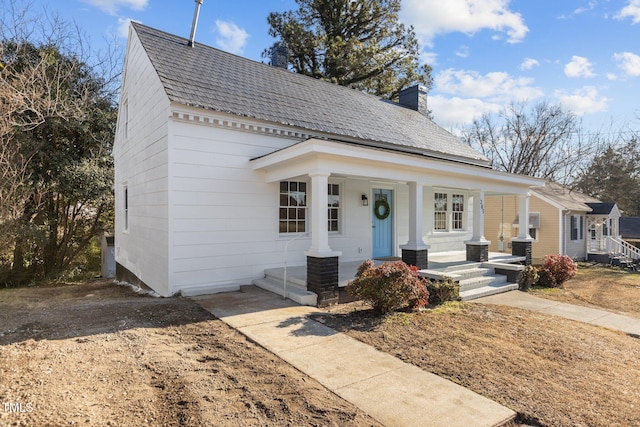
[{"x": 382, "y": 223}]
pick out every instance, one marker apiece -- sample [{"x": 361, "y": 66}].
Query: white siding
[
  {"x": 576, "y": 249},
  {"x": 223, "y": 214},
  {"x": 140, "y": 154}
]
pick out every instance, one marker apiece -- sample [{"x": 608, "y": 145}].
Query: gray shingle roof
[
  {"x": 205, "y": 77},
  {"x": 630, "y": 227},
  {"x": 601, "y": 208},
  {"x": 565, "y": 197}
]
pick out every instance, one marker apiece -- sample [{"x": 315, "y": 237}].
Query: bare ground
[
  {"x": 552, "y": 371},
  {"x": 99, "y": 354}
]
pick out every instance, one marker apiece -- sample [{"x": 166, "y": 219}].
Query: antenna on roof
[{"x": 195, "y": 22}]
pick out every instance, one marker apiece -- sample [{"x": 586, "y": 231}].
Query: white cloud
[
  {"x": 230, "y": 37},
  {"x": 583, "y": 101},
  {"x": 111, "y": 6},
  {"x": 456, "y": 111},
  {"x": 123, "y": 26},
  {"x": 433, "y": 17},
  {"x": 430, "y": 58},
  {"x": 632, "y": 10},
  {"x": 628, "y": 62},
  {"x": 494, "y": 86},
  {"x": 463, "y": 51},
  {"x": 579, "y": 67},
  {"x": 529, "y": 63},
  {"x": 612, "y": 76}
]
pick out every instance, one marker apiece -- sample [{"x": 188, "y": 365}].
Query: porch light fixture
[{"x": 365, "y": 200}]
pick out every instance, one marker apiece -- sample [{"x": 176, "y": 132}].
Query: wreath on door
[{"x": 382, "y": 215}]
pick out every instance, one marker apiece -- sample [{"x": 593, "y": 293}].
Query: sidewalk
[
  {"x": 391, "y": 391},
  {"x": 626, "y": 324}
]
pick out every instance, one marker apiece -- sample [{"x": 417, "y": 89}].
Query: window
[
  {"x": 533, "y": 232},
  {"x": 457, "y": 212},
  {"x": 334, "y": 207},
  {"x": 125, "y": 203},
  {"x": 440, "y": 215},
  {"x": 577, "y": 227},
  {"x": 448, "y": 212},
  {"x": 293, "y": 207}
]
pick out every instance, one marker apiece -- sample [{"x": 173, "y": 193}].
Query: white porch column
[
  {"x": 523, "y": 244},
  {"x": 319, "y": 217},
  {"x": 478, "y": 217},
  {"x": 478, "y": 246},
  {"x": 523, "y": 217},
  {"x": 415, "y": 217},
  {"x": 415, "y": 252}
]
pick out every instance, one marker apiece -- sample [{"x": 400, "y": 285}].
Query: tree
[
  {"x": 56, "y": 128},
  {"x": 355, "y": 43},
  {"x": 614, "y": 176},
  {"x": 544, "y": 141}
]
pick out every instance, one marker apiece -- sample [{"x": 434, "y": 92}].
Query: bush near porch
[{"x": 390, "y": 286}]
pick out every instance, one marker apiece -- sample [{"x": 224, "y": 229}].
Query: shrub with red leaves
[
  {"x": 556, "y": 270},
  {"x": 390, "y": 286}
]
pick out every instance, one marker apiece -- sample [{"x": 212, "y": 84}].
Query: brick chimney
[{"x": 415, "y": 97}]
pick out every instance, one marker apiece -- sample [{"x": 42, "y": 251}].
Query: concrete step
[
  {"x": 482, "y": 281},
  {"x": 487, "y": 290},
  {"x": 293, "y": 276},
  {"x": 475, "y": 272},
  {"x": 462, "y": 267},
  {"x": 293, "y": 292}
]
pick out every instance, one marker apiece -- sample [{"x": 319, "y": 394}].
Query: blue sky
[{"x": 485, "y": 54}]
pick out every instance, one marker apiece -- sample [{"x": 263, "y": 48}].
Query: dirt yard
[{"x": 99, "y": 354}]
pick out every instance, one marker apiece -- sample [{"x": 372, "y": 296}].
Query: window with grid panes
[
  {"x": 293, "y": 207},
  {"x": 440, "y": 211},
  {"x": 457, "y": 212},
  {"x": 333, "y": 192}
]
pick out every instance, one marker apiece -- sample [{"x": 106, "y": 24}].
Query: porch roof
[{"x": 345, "y": 159}]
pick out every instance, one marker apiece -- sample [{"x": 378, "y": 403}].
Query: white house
[{"x": 222, "y": 164}]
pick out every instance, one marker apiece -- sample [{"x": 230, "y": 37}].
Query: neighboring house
[
  {"x": 224, "y": 167},
  {"x": 630, "y": 229},
  {"x": 561, "y": 221}
]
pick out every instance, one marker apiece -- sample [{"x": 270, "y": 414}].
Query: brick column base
[
  {"x": 477, "y": 253},
  {"x": 419, "y": 258},
  {"x": 522, "y": 248},
  {"x": 322, "y": 279}
]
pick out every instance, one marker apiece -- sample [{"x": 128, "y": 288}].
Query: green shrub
[
  {"x": 390, "y": 286},
  {"x": 528, "y": 278},
  {"x": 556, "y": 270},
  {"x": 442, "y": 291}
]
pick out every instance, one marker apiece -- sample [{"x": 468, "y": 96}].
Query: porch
[{"x": 476, "y": 279}]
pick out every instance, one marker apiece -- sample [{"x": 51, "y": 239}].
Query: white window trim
[
  {"x": 340, "y": 184},
  {"x": 292, "y": 234},
  {"x": 449, "y": 211},
  {"x": 125, "y": 208}
]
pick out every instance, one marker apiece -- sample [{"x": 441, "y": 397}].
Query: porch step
[
  {"x": 482, "y": 282},
  {"x": 293, "y": 276},
  {"x": 294, "y": 293},
  {"x": 485, "y": 291}
]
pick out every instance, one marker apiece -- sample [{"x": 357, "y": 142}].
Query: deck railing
[{"x": 619, "y": 246}]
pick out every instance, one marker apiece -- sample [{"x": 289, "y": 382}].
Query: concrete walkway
[
  {"x": 391, "y": 391},
  {"x": 627, "y": 324}
]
